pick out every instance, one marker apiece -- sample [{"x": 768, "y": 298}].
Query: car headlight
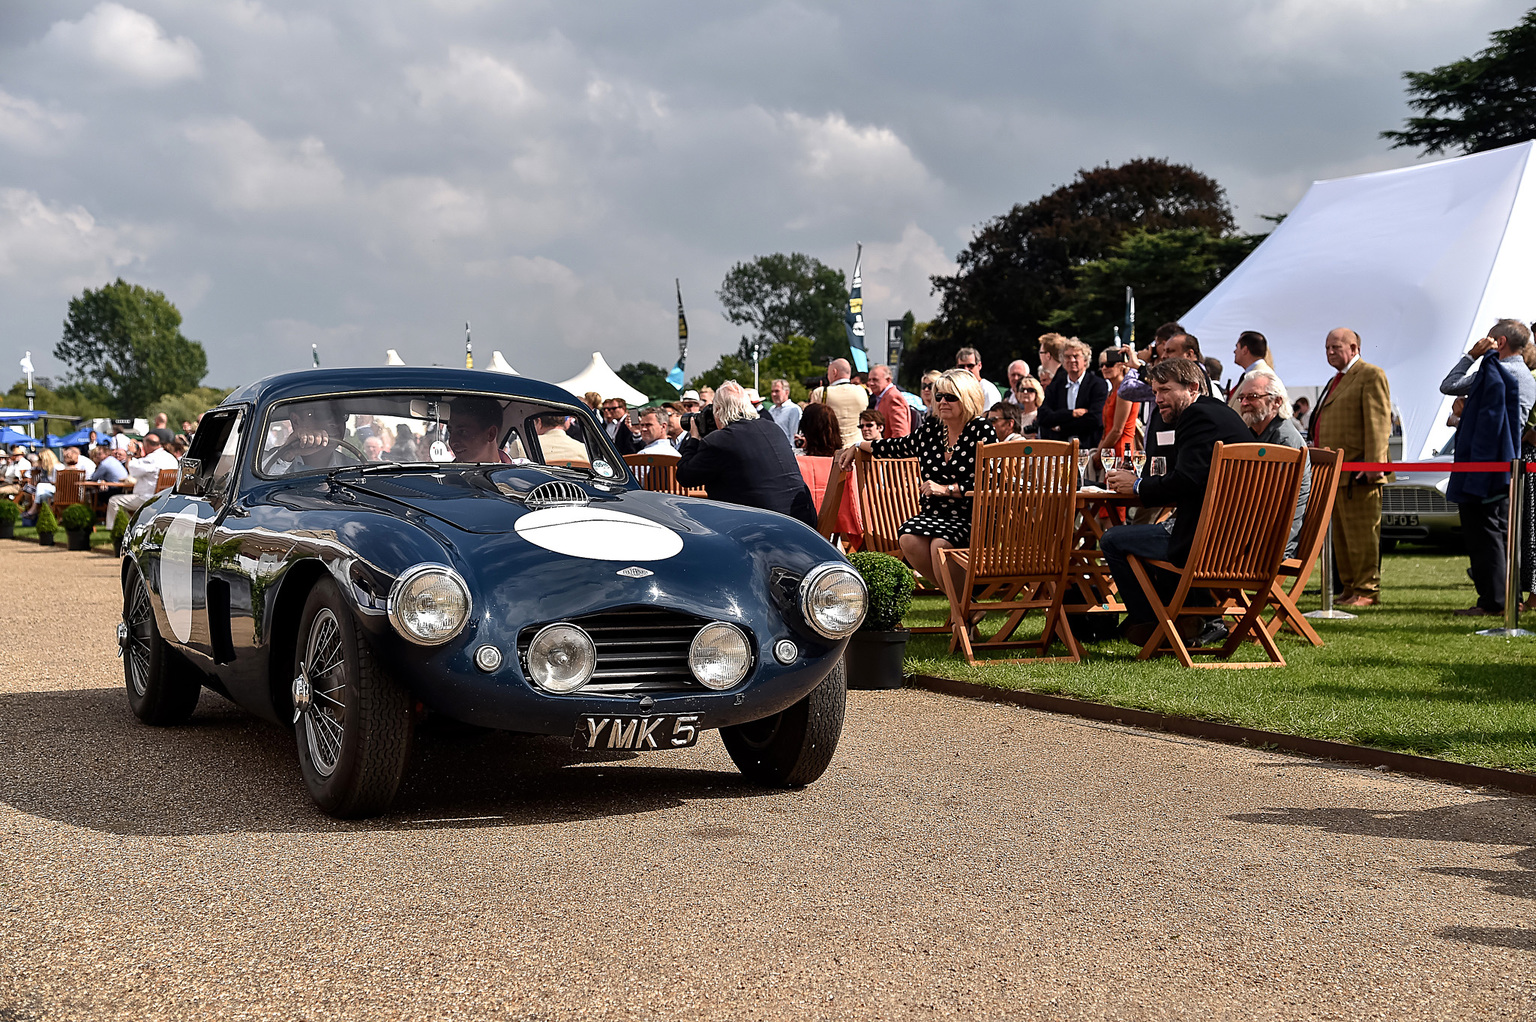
[
  {"x": 561, "y": 658},
  {"x": 429, "y": 604},
  {"x": 719, "y": 655},
  {"x": 832, "y": 598}
]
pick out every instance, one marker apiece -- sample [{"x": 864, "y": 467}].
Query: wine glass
[
  {"x": 1159, "y": 465},
  {"x": 1083, "y": 457},
  {"x": 1107, "y": 458},
  {"x": 1138, "y": 460}
]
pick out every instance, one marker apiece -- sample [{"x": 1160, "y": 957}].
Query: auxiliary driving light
[
  {"x": 561, "y": 658},
  {"x": 719, "y": 655}
]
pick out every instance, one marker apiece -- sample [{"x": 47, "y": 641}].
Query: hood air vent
[{"x": 556, "y": 493}]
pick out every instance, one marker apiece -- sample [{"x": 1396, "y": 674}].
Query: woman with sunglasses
[{"x": 945, "y": 448}]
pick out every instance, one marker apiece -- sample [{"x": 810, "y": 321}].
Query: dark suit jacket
[
  {"x": 1196, "y": 434},
  {"x": 625, "y": 442},
  {"x": 748, "y": 462},
  {"x": 1056, "y": 420}
]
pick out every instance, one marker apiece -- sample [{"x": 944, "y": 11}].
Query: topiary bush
[
  {"x": 119, "y": 529},
  {"x": 46, "y": 522},
  {"x": 890, "y": 584},
  {"x": 77, "y": 518},
  {"x": 9, "y": 512}
]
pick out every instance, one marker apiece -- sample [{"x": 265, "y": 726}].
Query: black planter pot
[
  {"x": 45, "y": 539},
  {"x": 79, "y": 540},
  {"x": 874, "y": 659},
  {"x": 7, "y": 530}
]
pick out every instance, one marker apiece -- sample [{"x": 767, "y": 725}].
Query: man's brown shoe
[
  {"x": 1359, "y": 601},
  {"x": 1474, "y": 612}
]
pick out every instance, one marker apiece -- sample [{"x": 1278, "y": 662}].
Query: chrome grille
[
  {"x": 556, "y": 493},
  {"x": 1414, "y": 500},
  {"x": 639, "y": 649}
]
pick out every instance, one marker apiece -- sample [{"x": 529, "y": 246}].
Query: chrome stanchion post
[
  {"x": 1512, "y": 557},
  {"x": 1326, "y": 561}
]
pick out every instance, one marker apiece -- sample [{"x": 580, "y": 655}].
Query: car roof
[{"x": 303, "y": 383}]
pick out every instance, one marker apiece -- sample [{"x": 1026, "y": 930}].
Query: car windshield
[{"x": 399, "y": 427}]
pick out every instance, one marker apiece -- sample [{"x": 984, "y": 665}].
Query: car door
[{"x": 196, "y": 611}]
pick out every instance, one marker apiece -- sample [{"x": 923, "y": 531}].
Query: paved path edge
[{"x": 1439, "y": 769}]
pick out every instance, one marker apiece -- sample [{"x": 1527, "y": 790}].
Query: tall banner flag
[
  {"x": 314, "y": 353},
  {"x": 675, "y": 375},
  {"x": 854, "y": 321},
  {"x": 469, "y": 354},
  {"x": 1130, "y": 316}
]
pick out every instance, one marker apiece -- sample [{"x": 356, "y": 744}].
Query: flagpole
[
  {"x": 469, "y": 355},
  {"x": 26, "y": 363},
  {"x": 314, "y": 353}
]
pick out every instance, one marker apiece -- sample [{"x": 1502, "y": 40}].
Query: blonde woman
[{"x": 945, "y": 447}]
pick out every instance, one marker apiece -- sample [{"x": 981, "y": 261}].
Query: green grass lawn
[
  {"x": 101, "y": 539},
  {"x": 1406, "y": 676}
]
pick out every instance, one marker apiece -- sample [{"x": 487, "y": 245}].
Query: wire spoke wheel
[
  {"x": 325, "y": 722},
  {"x": 353, "y": 723},
  {"x": 163, "y": 687},
  {"x": 136, "y": 653}
]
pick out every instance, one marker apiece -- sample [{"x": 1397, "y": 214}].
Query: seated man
[
  {"x": 475, "y": 430},
  {"x": 109, "y": 467},
  {"x": 145, "y": 472},
  {"x": 558, "y": 447},
  {"x": 653, "y": 431},
  {"x": 314, "y": 438},
  {"x": 1004, "y": 419},
  {"x": 1196, "y": 423},
  {"x": 1266, "y": 408}
]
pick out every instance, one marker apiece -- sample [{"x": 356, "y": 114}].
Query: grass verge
[
  {"x": 101, "y": 539},
  {"x": 1407, "y": 676}
]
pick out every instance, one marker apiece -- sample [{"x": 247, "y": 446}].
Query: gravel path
[{"x": 959, "y": 860}]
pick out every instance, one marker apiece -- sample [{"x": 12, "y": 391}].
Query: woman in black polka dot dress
[{"x": 945, "y": 449}]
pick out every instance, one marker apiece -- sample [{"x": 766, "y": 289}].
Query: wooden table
[
  {"x": 96, "y": 493},
  {"x": 1095, "y": 585}
]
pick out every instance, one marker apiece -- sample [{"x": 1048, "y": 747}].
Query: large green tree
[
  {"x": 790, "y": 359},
  {"x": 1170, "y": 270},
  {"x": 1477, "y": 103},
  {"x": 648, "y": 378},
  {"x": 127, "y": 340},
  {"x": 1018, "y": 268},
  {"x": 779, "y": 295}
]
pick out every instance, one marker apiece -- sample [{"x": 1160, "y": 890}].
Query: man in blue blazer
[{"x": 746, "y": 460}]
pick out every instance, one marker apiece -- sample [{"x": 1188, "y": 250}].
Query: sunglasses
[
  {"x": 966, "y": 365},
  {"x": 944, "y": 396}
]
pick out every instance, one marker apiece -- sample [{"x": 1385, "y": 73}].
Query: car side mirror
[{"x": 189, "y": 482}]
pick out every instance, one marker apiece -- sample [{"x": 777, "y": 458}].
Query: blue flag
[
  {"x": 675, "y": 375},
  {"x": 854, "y": 321}
]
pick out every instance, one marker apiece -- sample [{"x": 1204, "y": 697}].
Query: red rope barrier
[{"x": 1433, "y": 466}]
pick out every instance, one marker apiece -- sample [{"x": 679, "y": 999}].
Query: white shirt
[
  {"x": 122, "y": 442},
  {"x": 146, "y": 470},
  {"x": 1072, "y": 389},
  {"x": 662, "y": 446},
  {"x": 990, "y": 391}
]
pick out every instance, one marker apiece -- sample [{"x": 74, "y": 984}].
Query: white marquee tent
[
  {"x": 1420, "y": 262},
  {"x": 597, "y": 376}
]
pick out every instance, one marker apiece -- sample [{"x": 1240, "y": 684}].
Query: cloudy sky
[{"x": 371, "y": 175}]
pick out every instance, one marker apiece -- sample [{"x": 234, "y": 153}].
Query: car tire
[
  {"x": 163, "y": 687},
  {"x": 792, "y": 748},
  {"x": 355, "y": 736}
]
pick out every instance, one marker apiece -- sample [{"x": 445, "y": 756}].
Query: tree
[
  {"x": 1018, "y": 268},
  {"x": 1493, "y": 96},
  {"x": 64, "y": 403},
  {"x": 128, "y": 340},
  {"x": 188, "y": 406},
  {"x": 1170, "y": 270},
  {"x": 779, "y": 295},
  {"x": 648, "y": 378},
  {"x": 790, "y": 359}
]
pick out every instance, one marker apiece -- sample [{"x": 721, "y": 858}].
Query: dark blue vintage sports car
[{"x": 349, "y": 549}]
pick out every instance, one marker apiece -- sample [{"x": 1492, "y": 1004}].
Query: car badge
[
  {"x": 634, "y": 572},
  {"x": 603, "y": 469}
]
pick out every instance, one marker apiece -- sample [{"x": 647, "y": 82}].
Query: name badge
[{"x": 1165, "y": 438}]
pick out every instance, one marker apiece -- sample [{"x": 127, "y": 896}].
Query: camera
[{"x": 704, "y": 417}]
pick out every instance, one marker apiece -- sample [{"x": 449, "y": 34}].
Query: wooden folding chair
[
  {"x": 1239, "y": 543},
  {"x": 165, "y": 480},
  {"x": 1295, "y": 571},
  {"x": 659, "y": 472},
  {"x": 832, "y": 502},
  {"x": 1022, "y": 524},
  {"x": 889, "y": 494},
  {"x": 67, "y": 489}
]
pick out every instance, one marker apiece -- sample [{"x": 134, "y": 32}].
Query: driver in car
[
  {"x": 474, "y": 430},
  {"x": 318, "y": 431}
]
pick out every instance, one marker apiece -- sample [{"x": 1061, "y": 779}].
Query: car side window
[{"x": 215, "y": 447}]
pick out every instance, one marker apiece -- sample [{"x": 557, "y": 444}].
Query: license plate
[
  {"x": 1400, "y": 519},
  {"x": 636, "y": 733}
]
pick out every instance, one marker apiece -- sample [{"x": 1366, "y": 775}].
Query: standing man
[
  {"x": 969, "y": 359},
  {"x": 616, "y": 425},
  {"x": 1074, "y": 402},
  {"x": 845, "y": 399},
  {"x": 1489, "y": 430},
  {"x": 1354, "y": 417},
  {"x": 1018, "y": 369},
  {"x": 784, "y": 412},
  {"x": 889, "y": 402},
  {"x": 1250, "y": 352}
]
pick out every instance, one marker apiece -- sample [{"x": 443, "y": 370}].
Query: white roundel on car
[
  {"x": 176, "y": 572},
  {"x": 598, "y": 534}
]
